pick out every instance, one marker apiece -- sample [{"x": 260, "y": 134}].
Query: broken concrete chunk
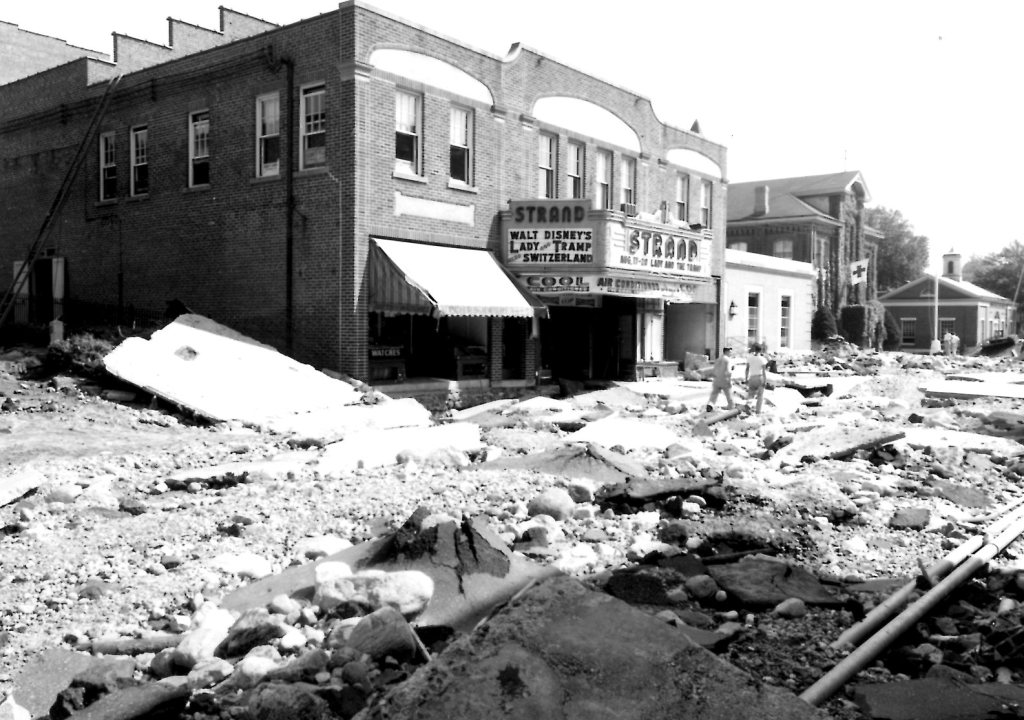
[
  {"x": 561, "y": 650},
  {"x": 765, "y": 582}
]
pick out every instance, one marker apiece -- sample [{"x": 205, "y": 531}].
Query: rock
[
  {"x": 253, "y": 628},
  {"x": 790, "y": 608},
  {"x": 64, "y": 494},
  {"x": 555, "y": 502},
  {"x": 11, "y": 710},
  {"x": 244, "y": 564},
  {"x": 936, "y": 699},
  {"x": 702, "y": 587},
  {"x": 332, "y": 584},
  {"x": 581, "y": 490},
  {"x": 765, "y": 582},
  {"x": 284, "y": 605},
  {"x": 208, "y": 673},
  {"x": 210, "y": 626},
  {"x": 320, "y": 546},
  {"x": 385, "y": 632},
  {"x": 910, "y": 519},
  {"x": 50, "y": 672},
  {"x": 103, "y": 675},
  {"x": 277, "y": 701},
  {"x": 164, "y": 699},
  {"x": 251, "y": 669},
  {"x": 407, "y": 590},
  {"x": 644, "y": 585},
  {"x": 562, "y": 651},
  {"x": 303, "y": 668}
]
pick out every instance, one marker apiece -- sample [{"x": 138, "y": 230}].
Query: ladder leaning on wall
[{"x": 25, "y": 269}]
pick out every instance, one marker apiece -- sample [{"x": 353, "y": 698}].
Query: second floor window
[
  {"x": 461, "y": 146},
  {"x": 268, "y": 135},
  {"x": 574, "y": 171},
  {"x": 408, "y": 112},
  {"x": 313, "y": 128},
  {"x": 603, "y": 180},
  {"x": 199, "y": 148},
  {"x": 140, "y": 160},
  {"x": 705, "y": 203},
  {"x": 108, "y": 166},
  {"x": 783, "y": 249},
  {"x": 628, "y": 172},
  {"x": 546, "y": 145},
  {"x": 682, "y": 197}
]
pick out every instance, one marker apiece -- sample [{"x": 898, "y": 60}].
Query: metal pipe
[
  {"x": 885, "y": 610},
  {"x": 856, "y": 661}
]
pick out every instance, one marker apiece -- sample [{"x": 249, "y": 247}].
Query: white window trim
[
  {"x": 305, "y": 92},
  {"x": 470, "y": 131},
  {"x": 107, "y": 138},
  {"x": 132, "y": 148},
  {"x": 759, "y": 291},
  {"x": 786, "y": 295},
  {"x": 683, "y": 197},
  {"x": 192, "y": 156},
  {"x": 707, "y": 194},
  {"x": 263, "y": 170},
  {"x": 575, "y": 165},
  {"x": 912, "y": 319},
  {"x": 405, "y": 167},
  {"x": 605, "y": 180},
  {"x": 627, "y": 186},
  {"x": 550, "y": 170}
]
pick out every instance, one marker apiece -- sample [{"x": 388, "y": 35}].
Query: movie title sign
[{"x": 545, "y": 232}]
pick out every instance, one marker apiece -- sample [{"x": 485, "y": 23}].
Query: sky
[{"x": 921, "y": 96}]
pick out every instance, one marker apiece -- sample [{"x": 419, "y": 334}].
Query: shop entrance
[{"x": 582, "y": 343}]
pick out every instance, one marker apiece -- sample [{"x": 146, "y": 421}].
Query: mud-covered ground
[{"x": 107, "y": 544}]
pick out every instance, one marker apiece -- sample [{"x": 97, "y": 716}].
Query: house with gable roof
[
  {"x": 972, "y": 313},
  {"x": 816, "y": 219}
]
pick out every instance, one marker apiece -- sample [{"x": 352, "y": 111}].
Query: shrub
[
  {"x": 78, "y": 353},
  {"x": 823, "y": 324}
]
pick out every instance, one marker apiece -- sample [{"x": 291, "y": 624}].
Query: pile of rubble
[{"x": 613, "y": 554}]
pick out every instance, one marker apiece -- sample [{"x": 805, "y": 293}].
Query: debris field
[{"x": 210, "y": 530}]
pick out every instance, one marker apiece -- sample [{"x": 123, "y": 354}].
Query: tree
[
  {"x": 998, "y": 272},
  {"x": 902, "y": 255}
]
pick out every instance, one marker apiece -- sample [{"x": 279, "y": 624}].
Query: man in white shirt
[{"x": 756, "y": 367}]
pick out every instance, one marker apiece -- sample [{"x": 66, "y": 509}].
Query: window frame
[
  {"x": 905, "y": 337},
  {"x": 306, "y": 94},
  {"x": 706, "y": 203},
  {"x": 263, "y": 135},
  {"x": 133, "y": 157},
  {"x": 627, "y": 180},
  {"x": 575, "y": 163},
  {"x": 195, "y": 160},
  {"x": 466, "y": 161},
  {"x": 682, "y": 197},
  {"x": 603, "y": 179},
  {"x": 547, "y": 152},
  {"x": 754, "y": 316},
  {"x": 781, "y": 243},
  {"x": 785, "y": 320},
  {"x": 108, "y": 166},
  {"x": 413, "y": 166}
]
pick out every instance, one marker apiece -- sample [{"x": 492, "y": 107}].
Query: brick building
[
  {"x": 972, "y": 313},
  {"x": 816, "y": 219},
  {"x": 358, "y": 192}
]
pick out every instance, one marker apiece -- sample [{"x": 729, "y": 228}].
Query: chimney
[
  {"x": 951, "y": 266},
  {"x": 761, "y": 200}
]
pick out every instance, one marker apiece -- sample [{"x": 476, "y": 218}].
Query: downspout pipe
[
  {"x": 274, "y": 64},
  {"x": 856, "y": 661}
]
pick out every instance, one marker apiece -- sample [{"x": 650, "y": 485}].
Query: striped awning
[{"x": 439, "y": 280}]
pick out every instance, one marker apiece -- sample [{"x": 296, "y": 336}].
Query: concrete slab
[
  {"x": 937, "y": 699},
  {"x": 379, "y": 448},
  {"x": 559, "y": 650},
  {"x": 919, "y": 437},
  {"x": 834, "y": 441},
  {"x": 217, "y": 373},
  {"x": 968, "y": 389},
  {"x": 765, "y": 582},
  {"x": 52, "y": 670},
  {"x": 628, "y": 433}
]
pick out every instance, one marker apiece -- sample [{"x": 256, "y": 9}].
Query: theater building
[{"x": 366, "y": 196}]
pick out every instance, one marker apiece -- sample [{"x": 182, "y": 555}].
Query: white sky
[{"x": 922, "y": 96}]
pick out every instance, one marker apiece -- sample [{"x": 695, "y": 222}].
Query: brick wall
[{"x": 222, "y": 249}]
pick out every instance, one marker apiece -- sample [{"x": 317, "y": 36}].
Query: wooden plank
[{"x": 835, "y": 443}]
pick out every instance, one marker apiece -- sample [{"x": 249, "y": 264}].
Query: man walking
[{"x": 721, "y": 379}]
